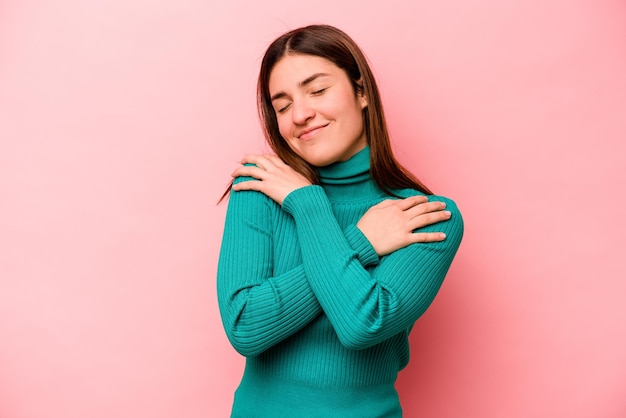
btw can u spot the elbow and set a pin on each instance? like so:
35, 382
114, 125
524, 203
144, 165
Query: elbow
354, 344
242, 338
367, 327
358, 337
244, 344
246, 350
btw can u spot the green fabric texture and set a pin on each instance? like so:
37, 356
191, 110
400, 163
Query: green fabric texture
322, 320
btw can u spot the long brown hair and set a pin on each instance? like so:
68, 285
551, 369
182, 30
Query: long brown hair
336, 46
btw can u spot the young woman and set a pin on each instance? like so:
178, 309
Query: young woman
331, 249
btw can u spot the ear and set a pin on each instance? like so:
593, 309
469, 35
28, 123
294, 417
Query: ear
360, 95
362, 100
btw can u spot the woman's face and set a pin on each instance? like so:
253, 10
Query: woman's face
318, 112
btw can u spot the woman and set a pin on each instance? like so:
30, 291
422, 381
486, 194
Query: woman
331, 249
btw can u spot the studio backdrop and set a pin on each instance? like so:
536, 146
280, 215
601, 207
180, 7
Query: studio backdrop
121, 121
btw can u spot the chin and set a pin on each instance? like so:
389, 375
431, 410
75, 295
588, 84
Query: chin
324, 157
315, 159
320, 161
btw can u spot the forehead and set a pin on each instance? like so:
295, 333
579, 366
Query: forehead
292, 69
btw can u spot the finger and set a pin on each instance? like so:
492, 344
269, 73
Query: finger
248, 185
249, 171
262, 161
410, 202
429, 218
426, 207
427, 237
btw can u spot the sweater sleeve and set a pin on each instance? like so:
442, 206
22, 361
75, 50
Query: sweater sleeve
258, 309
369, 305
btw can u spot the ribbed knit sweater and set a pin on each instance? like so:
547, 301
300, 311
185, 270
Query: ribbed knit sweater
323, 320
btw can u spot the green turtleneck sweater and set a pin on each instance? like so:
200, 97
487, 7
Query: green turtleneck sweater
322, 319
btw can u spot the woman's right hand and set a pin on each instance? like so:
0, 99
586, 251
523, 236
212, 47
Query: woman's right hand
389, 225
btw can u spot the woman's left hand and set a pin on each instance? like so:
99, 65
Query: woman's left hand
276, 179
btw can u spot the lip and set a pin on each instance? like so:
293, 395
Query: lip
310, 132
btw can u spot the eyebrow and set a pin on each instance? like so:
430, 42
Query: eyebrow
303, 83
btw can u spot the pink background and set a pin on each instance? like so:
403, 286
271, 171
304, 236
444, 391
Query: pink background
120, 122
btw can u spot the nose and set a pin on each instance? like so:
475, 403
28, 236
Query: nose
302, 112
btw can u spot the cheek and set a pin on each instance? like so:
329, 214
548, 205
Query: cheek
283, 127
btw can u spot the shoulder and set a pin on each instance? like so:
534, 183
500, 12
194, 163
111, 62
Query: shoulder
249, 202
451, 204
453, 227
241, 179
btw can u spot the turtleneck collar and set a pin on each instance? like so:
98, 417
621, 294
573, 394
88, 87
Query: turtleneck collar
349, 180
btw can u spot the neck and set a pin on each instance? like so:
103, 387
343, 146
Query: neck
349, 180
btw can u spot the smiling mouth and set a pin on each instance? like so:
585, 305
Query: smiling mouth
311, 133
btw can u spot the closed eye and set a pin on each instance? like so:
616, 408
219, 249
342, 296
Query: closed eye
284, 108
318, 92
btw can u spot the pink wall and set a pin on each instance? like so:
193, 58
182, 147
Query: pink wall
121, 121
